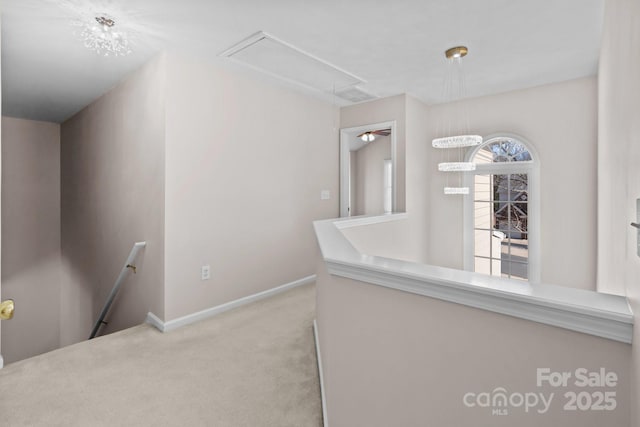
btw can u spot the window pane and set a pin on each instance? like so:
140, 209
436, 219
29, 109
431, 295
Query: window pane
502, 217
519, 184
482, 243
511, 221
506, 268
483, 215
484, 155
515, 255
505, 247
519, 220
517, 270
519, 250
483, 187
503, 150
496, 267
483, 265
501, 187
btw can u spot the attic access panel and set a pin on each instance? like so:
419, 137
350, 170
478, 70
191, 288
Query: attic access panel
280, 59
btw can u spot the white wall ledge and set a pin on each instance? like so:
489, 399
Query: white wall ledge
598, 314
357, 221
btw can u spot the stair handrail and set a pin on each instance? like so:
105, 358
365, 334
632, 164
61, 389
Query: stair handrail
128, 265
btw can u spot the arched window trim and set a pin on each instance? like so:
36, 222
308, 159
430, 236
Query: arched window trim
532, 168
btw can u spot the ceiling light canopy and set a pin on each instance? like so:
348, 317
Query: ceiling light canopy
100, 35
456, 52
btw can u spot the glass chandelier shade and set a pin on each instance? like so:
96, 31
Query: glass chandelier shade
101, 36
457, 141
456, 166
456, 190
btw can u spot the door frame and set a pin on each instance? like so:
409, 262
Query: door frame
346, 135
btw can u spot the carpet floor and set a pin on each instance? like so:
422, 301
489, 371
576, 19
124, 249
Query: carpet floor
252, 366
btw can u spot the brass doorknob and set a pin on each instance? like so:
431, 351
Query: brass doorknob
6, 309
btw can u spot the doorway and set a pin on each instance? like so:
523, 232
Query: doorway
368, 169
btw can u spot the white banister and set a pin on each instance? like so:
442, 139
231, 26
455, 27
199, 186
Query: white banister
128, 265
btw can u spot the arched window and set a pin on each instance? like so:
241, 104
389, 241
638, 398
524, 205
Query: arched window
502, 210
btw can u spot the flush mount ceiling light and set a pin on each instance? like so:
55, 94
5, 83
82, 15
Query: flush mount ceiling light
454, 129
101, 35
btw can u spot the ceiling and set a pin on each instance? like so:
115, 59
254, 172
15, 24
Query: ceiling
395, 46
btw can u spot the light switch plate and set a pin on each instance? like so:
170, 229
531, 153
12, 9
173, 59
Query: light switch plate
325, 195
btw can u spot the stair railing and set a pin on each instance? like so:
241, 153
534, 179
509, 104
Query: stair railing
128, 265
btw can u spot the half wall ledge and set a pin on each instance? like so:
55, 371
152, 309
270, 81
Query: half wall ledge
602, 315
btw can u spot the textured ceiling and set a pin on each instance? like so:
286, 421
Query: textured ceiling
396, 47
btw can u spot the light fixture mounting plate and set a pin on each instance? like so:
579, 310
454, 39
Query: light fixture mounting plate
456, 52
103, 20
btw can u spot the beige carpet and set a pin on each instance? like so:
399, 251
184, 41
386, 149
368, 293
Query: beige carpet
253, 366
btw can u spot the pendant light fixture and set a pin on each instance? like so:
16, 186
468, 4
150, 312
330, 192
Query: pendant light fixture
454, 130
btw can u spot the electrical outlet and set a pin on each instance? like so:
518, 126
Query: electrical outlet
205, 272
325, 195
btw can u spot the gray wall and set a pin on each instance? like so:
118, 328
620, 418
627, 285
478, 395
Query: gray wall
618, 158
411, 116
560, 122
378, 111
246, 163
112, 196
392, 358
31, 236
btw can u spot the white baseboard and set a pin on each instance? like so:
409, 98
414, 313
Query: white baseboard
155, 321
325, 421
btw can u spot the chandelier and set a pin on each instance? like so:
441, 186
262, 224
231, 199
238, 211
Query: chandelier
454, 130
101, 36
